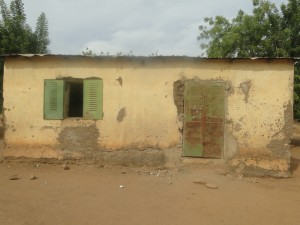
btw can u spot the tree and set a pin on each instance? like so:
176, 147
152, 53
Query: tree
15, 31
267, 32
291, 23
41, 32
260, 34
17, 37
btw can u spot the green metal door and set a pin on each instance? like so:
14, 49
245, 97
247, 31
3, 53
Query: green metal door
204, 111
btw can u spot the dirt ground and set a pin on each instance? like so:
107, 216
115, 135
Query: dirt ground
90, 194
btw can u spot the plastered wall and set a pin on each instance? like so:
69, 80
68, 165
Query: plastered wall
139, 108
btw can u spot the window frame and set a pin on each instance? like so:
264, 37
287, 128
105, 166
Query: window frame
56, 98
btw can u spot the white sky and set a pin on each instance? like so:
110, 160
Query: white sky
145, 27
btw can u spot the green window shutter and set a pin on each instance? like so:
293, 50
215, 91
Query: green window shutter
93, 99
54, 99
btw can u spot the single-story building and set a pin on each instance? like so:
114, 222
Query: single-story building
150, 110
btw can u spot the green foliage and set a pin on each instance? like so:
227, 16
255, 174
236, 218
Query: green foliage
291, 23
17, 37
41, 33
88, 52
297, 92
267, 32
260, 34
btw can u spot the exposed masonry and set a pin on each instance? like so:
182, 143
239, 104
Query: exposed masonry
178, 96
82, 139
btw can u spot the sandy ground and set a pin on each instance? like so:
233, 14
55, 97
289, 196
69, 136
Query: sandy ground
145, 196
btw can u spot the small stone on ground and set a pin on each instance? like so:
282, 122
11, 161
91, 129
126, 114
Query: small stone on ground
212, 186
66, 167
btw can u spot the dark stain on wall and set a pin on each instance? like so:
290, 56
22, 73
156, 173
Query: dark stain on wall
121, 114
120, 80
79, 139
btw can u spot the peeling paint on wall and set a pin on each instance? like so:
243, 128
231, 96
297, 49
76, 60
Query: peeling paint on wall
237, 127
280, 143
231, 147
245, 86
178, 95
229, 88
82, 139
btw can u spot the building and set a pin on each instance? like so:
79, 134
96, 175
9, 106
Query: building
150, 110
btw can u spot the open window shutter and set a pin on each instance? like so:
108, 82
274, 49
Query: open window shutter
93, 99
53, 99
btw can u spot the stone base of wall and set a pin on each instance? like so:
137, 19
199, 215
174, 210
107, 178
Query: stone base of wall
131, 157
260, 166
137, 158
157, 158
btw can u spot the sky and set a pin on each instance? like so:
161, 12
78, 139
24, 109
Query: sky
138, 27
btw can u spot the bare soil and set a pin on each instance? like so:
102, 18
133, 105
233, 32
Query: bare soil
91, 194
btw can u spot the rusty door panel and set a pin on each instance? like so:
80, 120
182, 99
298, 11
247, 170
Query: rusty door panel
213, 140
193, 124
204, 110
194, 135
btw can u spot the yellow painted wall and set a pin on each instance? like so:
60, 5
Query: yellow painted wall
147, 94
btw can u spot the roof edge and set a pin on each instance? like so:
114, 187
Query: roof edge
146, 57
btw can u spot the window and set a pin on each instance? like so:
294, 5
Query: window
73, 98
